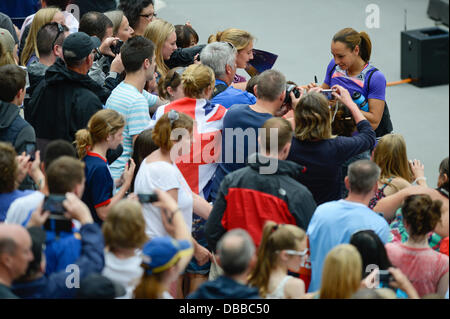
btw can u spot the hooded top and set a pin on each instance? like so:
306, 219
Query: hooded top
13, 128
63, 103
250, 196
224, 288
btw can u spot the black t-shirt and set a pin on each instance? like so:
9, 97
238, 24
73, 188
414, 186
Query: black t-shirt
6, 293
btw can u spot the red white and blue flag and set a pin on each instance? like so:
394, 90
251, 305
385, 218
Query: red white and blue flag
207, 134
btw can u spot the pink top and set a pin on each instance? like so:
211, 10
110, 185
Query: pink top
424, 267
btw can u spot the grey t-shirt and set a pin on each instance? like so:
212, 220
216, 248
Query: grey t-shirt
6, 23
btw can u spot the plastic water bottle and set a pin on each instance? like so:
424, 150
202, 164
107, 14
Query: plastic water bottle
361, 101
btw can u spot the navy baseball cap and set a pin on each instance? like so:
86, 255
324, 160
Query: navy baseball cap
161, 253
79, 45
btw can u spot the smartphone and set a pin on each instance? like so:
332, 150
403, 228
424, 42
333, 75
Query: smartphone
30, 149
385, 278
147, 198
53, 204
328, 94
56, 222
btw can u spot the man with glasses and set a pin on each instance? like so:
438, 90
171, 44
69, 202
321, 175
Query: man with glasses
250, 196
139, 13
65, 101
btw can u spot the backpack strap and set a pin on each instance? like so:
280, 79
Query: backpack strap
219, 89
370, 76
331, 71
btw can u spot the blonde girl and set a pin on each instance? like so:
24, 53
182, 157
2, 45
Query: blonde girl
283, 247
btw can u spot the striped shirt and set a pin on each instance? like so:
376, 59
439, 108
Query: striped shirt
134, 106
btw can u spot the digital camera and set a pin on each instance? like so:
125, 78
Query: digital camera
147, 198
116, 48
291, 88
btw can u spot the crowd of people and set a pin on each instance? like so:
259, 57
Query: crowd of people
136, 163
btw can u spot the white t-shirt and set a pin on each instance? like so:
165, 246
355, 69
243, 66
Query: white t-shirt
164, 176
20, 210
126, 272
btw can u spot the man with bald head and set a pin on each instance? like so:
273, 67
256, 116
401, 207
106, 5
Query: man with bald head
15, 255
236, 256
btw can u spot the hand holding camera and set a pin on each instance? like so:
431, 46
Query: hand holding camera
108, 45
76, 209
400, 281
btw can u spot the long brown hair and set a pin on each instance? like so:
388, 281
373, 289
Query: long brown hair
150, 286
351, 38
312, 118
101, 125
275, 238
391, 156
341, 275
161, 134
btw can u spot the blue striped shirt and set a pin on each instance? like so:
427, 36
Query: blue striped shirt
134, 106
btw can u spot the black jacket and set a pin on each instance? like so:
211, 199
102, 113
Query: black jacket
183, 56
249, 197
13, 128
224, 288
63, 103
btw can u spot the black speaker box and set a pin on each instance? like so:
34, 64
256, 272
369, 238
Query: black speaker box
424, 56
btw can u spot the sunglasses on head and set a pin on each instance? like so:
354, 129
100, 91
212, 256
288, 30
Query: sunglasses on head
60, 30
296, 253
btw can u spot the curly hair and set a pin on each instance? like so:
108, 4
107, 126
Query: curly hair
421, 213
132, 9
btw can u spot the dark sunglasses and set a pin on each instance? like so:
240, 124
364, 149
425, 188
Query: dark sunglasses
60, 30
177, 71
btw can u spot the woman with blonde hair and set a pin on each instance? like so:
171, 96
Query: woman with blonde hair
124, 233
121, 26
243, 42
29, 53
397, 172
167, 54
282, 248
315, 147
104, 131
162, 34
341, 274
7, 52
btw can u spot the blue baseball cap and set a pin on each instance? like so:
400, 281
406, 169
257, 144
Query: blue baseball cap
161, 253
79, 45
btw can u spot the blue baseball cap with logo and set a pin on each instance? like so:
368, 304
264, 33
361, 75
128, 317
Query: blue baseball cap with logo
161, 253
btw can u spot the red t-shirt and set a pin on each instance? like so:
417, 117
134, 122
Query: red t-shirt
424, 267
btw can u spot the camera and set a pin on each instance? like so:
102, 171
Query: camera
116, 48
385, 278
147, 198
30, 149
291, 88
328, 93
53, 204
56, 222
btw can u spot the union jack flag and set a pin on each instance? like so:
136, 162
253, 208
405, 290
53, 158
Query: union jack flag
199, 167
